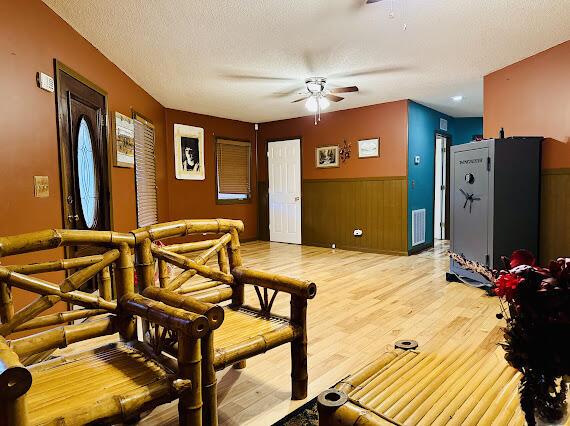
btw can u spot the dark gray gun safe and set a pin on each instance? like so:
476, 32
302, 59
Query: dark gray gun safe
494, 201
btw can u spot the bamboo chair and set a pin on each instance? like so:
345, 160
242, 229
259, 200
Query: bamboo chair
243, 331
106, 383
462, 386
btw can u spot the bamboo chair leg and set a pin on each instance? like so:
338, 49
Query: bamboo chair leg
13, 412
209, 382
299, 373
189, 365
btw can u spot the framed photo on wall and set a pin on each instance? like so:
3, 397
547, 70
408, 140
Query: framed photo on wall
189, 152
327, 156
368, 148
124, 141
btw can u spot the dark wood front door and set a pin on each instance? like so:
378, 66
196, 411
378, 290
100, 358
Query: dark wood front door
82, 131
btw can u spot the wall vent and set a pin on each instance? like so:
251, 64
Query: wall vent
418, 226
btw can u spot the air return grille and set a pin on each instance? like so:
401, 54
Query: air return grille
418, 226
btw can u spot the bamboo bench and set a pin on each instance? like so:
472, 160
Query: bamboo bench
244, 331
106, 383
464, 386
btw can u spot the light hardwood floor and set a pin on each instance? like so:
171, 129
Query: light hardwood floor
365, 302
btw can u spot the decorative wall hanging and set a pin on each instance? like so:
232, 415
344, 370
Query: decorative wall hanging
124, 141
189, 152
369, 148
345, 151
327, 156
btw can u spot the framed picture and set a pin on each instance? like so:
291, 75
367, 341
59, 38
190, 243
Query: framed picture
327, 156
189, 152
368, 148
124, 141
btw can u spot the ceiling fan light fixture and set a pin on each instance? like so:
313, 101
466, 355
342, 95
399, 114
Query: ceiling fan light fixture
312, 104
324, 103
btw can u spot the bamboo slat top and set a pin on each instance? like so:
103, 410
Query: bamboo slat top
463, 386
242, 324
63, 386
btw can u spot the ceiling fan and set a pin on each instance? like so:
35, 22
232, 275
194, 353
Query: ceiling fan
318, 97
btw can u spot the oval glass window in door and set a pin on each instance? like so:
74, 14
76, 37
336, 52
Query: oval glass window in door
86, 173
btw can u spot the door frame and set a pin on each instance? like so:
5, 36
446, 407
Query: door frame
59, 66
448, 143
267, 142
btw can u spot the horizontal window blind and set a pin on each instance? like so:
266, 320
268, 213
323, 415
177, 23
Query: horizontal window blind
145, 173
233, 166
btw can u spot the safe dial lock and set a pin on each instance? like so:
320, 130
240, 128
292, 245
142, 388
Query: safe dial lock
469, 178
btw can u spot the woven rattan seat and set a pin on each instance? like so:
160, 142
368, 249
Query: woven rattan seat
465, 386
112, 372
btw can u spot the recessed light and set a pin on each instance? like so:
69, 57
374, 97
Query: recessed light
457, 98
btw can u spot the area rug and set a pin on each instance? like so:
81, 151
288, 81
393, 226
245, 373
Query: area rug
305, 415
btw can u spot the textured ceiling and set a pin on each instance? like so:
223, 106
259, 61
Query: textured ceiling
197, 55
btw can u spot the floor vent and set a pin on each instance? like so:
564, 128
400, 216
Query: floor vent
418, 226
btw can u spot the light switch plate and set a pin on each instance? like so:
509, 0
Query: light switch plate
41, 186
417, 160
45, 82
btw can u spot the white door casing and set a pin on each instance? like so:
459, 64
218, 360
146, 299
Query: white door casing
284, 166
440, 189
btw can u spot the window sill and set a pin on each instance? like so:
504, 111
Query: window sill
233, 201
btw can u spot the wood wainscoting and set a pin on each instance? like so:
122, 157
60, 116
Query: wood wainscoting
554, 214
333, 209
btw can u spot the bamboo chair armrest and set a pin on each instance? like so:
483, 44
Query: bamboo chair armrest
293, 286
189, 323
15, 379
214, 313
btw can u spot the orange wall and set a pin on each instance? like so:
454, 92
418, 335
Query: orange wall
388, 121
190, 199
532, 98
31, 36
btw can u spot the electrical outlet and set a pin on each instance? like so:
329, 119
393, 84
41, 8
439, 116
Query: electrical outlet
358, 232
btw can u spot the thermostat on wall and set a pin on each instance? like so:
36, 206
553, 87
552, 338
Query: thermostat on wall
45, 82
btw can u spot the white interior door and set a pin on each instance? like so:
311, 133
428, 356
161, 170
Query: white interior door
284, 164
440, 189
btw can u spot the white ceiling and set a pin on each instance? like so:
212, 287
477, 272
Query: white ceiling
194, 55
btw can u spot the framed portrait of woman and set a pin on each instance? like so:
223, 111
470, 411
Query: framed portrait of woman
189, 152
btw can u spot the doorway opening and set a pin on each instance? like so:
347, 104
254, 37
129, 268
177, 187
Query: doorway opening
441, 185
284, 167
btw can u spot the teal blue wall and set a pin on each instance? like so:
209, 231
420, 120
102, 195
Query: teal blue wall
423, 123
465, 128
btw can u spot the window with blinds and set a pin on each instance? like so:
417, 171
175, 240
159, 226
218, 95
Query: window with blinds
233, 160
145, 172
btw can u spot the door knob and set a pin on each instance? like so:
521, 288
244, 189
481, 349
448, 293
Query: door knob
72, 217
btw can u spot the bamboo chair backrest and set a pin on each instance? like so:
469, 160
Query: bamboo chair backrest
79, 271
150, 247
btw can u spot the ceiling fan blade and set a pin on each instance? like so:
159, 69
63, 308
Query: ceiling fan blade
334, 98
256, 77
344, 89
301, 99
297, 89
371, 71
